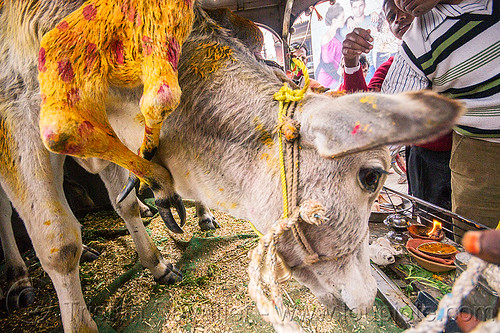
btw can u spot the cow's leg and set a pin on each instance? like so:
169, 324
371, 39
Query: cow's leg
151, 258
20, 292
76, 132
161, 96
206, 220
36, 192
145, 209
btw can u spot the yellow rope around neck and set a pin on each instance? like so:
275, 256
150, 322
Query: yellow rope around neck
286, 96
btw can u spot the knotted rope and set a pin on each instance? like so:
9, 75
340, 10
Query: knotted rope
290, 130
450, 304
265, 256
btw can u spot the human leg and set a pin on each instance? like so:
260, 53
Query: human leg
475, 181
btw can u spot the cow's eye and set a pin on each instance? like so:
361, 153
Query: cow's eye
370, 178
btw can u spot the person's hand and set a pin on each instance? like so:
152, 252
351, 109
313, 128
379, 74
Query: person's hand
374, 17
355, 43
484, 244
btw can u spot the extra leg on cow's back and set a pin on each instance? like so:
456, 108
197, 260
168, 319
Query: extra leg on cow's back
89, 51
161, 96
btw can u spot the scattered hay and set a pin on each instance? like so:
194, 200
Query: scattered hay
212, 297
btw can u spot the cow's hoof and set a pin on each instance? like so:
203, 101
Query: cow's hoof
172, 275
164, 206
208, 224
21, 298
88, 254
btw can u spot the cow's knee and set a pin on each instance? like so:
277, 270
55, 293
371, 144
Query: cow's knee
160, 97
64, 258
60, 250
66, 137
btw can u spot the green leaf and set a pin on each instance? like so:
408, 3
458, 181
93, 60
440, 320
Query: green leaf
407, 311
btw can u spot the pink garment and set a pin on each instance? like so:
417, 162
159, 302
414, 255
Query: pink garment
331, 54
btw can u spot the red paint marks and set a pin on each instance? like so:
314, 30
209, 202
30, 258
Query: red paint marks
356, 129
138, 20
131, 14
128, 11
89, 12
44, 98
173, 52
147, 45
85, 128
73, 96
189, 2
91, 55
41, 60
65, 70
72, 150
164, 94
148, 130
118, 49
63, 25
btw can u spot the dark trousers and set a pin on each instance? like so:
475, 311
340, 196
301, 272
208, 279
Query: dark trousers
429, 176
429, 179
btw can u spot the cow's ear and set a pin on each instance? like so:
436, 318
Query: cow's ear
357, 122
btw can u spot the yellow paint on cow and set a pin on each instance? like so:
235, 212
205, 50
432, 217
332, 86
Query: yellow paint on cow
210, 57
221, 204
335, 93
111, 42
139, 119
264, 134
234, 205
221, 189
7, 144
47, 223
54, 249
372, 100
272, 161
8, 156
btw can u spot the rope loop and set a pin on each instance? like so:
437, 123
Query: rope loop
287, 94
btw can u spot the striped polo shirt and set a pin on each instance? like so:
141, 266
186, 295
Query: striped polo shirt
455, 50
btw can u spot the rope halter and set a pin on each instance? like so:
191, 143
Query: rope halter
266, 264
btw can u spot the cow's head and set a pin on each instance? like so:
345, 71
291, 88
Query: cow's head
343, 165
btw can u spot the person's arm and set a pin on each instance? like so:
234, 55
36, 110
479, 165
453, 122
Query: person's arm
356, 42
379, 76
402, 77
354, 81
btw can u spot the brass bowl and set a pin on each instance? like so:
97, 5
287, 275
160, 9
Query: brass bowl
438, 249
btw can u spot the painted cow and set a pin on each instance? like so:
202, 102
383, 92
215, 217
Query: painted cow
221, 148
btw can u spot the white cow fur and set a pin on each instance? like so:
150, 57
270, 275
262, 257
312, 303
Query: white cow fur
213, 141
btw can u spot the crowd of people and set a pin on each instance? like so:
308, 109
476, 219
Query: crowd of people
329, 69
453, 48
